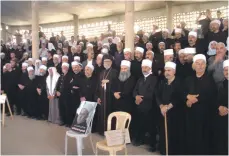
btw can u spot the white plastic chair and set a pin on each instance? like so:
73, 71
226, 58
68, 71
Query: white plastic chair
79, 138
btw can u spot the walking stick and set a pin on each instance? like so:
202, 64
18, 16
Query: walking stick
104, 106
166, 134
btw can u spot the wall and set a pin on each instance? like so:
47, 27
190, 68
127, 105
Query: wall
138, 15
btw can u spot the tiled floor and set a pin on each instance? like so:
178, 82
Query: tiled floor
23, 136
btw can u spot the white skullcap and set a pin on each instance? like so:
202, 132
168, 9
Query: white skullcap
125, 63
81, 43
106, 44
127, 50
109, 38
137, 36
64, 57
24, 64
216, 21
100, 56
30, 59
2, 54
26, 53
43, 67
170, 65
147, 63
140, 49
158, 30
181, 51
190, 50
178, 30
65, 64
192, 33
225, 63
44, 59
151, 52
74, 63
166, 30
199, 57
55, 55
89, 65
168, 52
161, 43
149, 43
104, 51
76, 58
29, 69
90, 45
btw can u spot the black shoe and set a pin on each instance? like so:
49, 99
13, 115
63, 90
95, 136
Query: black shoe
153, 149
137, 143
61, 124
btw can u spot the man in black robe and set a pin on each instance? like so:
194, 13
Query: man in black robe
180, 38
150, 56
64, 94
170, 101
75, 83
144, 96
201, 95
104, 95
199, 44
176, 48
221, 123
188, 57
113, 47
165, 38
99, 65
56, 63
136, 63
21, 94
180, 65
50, 59
43, 102
31, 94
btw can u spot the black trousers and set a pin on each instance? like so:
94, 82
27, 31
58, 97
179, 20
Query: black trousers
65, 110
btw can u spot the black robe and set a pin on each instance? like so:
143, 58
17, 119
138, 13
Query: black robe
166, 94
221, 122
184, 70
31, 97
136, 69
218, 37
199, 117
98, 70
43, 102
106, 101
58, 68
126, 101
142, 113
201, 46
64, 87
183, 41
50, 63
168, 42
113, 49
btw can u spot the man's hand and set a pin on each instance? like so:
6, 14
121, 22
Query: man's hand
192, 98
58, 94
99, 101
50, 97
39, 91
82, 99
21, 86
2, 91
117, 95
75, 87
138, 99
189, 103
164, 109
223, 110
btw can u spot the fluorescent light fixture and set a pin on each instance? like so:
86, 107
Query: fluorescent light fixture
7, 27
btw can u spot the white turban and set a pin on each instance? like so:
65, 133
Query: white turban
76, 58
44, 59
89, 65
37, 61
66, 57
55, 55
43, 67
190, 50
30, 59
90, 45
125, 63
225, 63
170, 65
178, 30
81, 43
199, 57
216, 21
181, 51
140, 49
65, 64
29, 69
192, 33
168, 52
166, 30
104, 51
147, 63
100, 56
126, 50
161, 43
24, 64
74, 63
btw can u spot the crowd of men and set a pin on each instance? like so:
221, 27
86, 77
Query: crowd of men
184, 78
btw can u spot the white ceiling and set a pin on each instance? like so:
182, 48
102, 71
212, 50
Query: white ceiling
19, 12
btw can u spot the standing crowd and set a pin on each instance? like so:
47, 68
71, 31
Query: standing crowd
183, 77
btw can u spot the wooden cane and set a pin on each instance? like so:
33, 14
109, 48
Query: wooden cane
166, 134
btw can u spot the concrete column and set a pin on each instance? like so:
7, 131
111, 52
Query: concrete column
76, 25
129, 26
35, 30
169, 15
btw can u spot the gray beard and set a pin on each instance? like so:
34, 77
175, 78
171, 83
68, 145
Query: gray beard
31, 77
76, 72
123, 76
